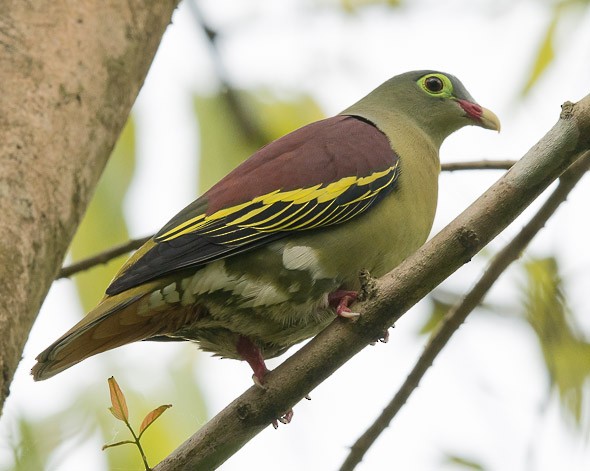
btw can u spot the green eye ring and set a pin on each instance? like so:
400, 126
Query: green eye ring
436, 85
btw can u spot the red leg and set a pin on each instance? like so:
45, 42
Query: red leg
340, 300
251, 353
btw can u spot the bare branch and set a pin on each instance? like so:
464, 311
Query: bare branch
458, 313
241, 112
397, 292
478, 165
102, 257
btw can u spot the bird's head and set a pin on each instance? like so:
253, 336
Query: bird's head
437, 102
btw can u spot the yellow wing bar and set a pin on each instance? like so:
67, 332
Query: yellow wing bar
299, 209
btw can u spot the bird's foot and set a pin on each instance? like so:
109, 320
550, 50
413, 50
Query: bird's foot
252, 354
340, 300
383, 338
284, 419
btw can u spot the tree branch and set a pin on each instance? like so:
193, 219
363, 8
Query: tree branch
458, 313
478, 165
240, 110
396, 292
102, 257
70, 72
114, 252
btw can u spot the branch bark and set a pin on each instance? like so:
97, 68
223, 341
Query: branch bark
396, 292
478, 165
102, 257
459, 312
70, 72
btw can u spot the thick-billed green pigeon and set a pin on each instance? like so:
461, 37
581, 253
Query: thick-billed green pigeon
271, 254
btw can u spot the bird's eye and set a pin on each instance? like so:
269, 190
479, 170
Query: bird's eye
434, 84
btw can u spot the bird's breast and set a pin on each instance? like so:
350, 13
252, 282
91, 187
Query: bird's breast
383, 237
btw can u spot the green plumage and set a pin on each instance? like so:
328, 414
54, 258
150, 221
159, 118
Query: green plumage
271, 254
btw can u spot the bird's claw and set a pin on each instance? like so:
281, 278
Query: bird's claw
340, 300
258, 382
284, 419
347, 314
383, 338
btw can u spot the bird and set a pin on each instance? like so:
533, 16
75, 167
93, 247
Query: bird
271, 254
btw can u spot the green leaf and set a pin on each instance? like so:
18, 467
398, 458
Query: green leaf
37, 443
464, 463
30, 453
223, 143
437, 313
442, 301
228, 137
564, 349
281, 116
351, 6
545, 53
103, 225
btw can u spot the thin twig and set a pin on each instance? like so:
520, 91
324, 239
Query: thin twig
478, 165
458, 313
244, 118
101, 258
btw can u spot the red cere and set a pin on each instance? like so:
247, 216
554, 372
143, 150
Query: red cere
473, 110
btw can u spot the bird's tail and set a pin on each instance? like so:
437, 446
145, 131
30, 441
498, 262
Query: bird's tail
118, 320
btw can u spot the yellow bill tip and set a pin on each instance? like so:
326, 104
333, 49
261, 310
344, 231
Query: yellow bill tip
489, 120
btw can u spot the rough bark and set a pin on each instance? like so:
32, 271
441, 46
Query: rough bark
69, 72
393, 295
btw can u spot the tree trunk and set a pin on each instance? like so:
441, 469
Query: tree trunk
69, 73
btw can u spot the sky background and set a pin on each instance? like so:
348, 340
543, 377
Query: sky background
486, 397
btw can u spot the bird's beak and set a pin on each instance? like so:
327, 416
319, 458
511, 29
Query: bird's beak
480, 115
489, 120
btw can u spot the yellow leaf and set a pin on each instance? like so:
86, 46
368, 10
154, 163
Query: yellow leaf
119, 409
152, 416
545, 54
